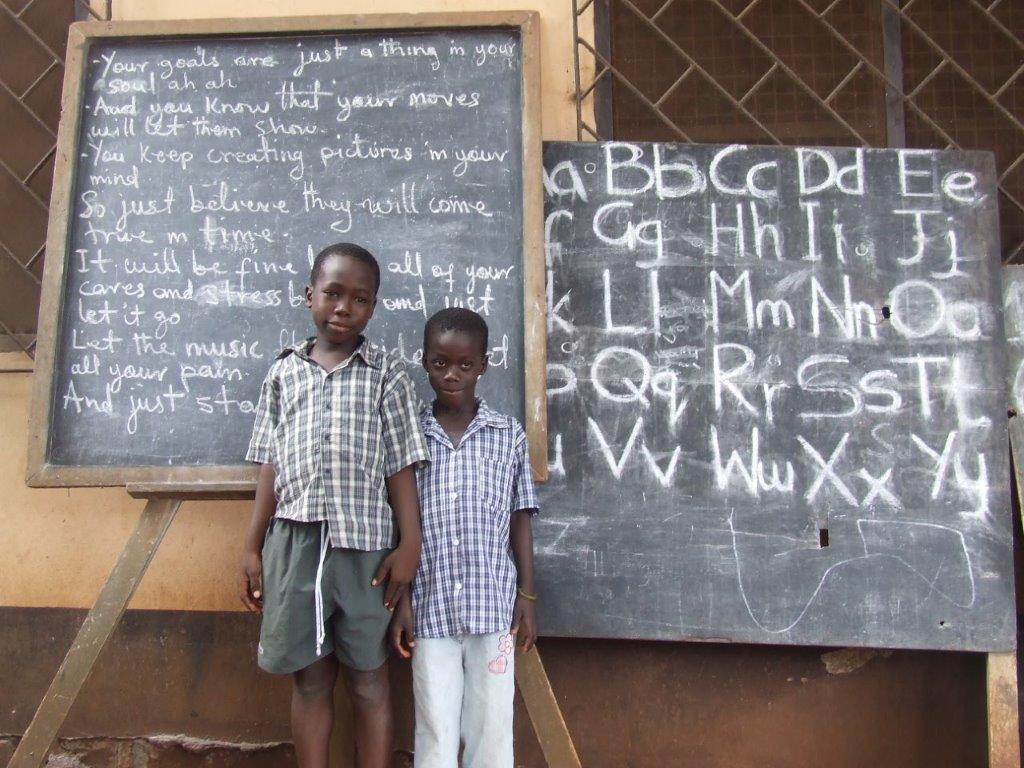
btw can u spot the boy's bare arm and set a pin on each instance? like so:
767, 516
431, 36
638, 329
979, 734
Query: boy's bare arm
400, 566
250, 588
524, 620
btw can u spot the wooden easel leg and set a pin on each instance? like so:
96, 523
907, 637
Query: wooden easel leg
94, 633
552, 734
1003, 734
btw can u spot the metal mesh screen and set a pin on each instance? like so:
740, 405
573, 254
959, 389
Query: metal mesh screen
945, 74
33, 35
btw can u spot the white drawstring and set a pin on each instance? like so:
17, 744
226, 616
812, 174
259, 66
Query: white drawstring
325, 544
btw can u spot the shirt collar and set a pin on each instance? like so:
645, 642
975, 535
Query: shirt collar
485, 417
369, 352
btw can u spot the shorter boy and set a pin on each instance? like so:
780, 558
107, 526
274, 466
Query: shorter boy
474, 588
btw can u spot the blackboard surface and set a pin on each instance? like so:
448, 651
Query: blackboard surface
1013, 304
776, 387
211, 170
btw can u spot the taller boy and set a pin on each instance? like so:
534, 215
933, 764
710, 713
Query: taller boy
338, 435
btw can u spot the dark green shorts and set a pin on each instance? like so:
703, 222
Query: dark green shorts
355, 619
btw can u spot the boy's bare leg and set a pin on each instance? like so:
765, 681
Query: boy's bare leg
313, 711
371, 708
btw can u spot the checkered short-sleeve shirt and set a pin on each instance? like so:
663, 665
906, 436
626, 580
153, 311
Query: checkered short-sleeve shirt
466, 583
334, 436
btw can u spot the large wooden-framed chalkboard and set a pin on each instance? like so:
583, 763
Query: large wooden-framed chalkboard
777, 396
202, 164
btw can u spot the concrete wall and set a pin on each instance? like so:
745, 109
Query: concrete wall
182, 662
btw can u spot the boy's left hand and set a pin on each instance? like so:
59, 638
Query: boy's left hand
398, 568
524, 623
403, 639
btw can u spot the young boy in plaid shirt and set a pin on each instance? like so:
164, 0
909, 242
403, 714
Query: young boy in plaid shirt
473, 593
337, 435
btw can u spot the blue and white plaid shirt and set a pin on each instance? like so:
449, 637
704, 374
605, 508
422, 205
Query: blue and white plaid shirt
466, 583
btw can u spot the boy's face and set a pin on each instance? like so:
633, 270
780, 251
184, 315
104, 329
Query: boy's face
342, 299
454, 361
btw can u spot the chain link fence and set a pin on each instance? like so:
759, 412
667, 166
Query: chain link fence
942, 74
33, 35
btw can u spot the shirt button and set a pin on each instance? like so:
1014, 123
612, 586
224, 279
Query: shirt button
454, 496
458, 585
455, 542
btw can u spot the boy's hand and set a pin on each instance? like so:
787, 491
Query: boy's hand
250, 587
402, 629
398, 568
524, 623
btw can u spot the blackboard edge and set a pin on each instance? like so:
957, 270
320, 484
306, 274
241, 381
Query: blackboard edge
279, 25
187, 479
56, 257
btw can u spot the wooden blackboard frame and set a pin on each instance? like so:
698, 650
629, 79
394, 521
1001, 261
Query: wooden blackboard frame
41, 473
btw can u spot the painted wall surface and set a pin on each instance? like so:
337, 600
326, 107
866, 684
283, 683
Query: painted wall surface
64, 542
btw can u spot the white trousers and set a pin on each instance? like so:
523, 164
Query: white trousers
464, 689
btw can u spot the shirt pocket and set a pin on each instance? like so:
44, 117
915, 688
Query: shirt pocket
356, 440
495, 484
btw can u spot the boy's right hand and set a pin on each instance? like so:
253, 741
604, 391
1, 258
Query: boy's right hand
250, 587
402, 638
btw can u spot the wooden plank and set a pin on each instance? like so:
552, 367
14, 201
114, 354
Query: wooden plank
94, 633
892, 51
288, 24
1003, 724
56, 250
46, 475
552, 733
1003, 715
217, 490
535, 334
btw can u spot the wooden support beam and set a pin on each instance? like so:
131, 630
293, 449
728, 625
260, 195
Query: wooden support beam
1003, 733
94, 633
194, 489
892, 52
552, 733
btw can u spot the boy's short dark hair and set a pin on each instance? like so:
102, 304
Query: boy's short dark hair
456, 319
357, 252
